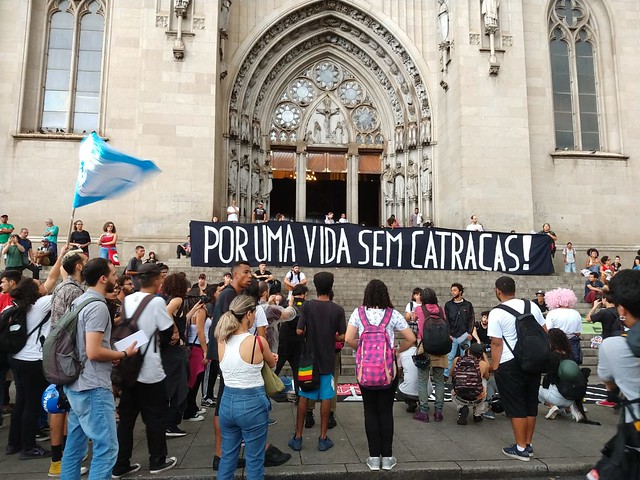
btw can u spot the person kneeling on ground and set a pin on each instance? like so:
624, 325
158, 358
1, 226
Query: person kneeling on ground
470, 375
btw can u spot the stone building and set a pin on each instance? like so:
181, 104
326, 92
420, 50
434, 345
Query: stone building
518, 112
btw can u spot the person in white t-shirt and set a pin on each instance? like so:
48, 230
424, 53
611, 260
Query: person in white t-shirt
149, 395
518, 389
474, 226
233, 212
409, 310
293, 278
561, 303
30, 298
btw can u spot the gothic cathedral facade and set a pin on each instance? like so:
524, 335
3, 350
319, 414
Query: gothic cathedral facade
519, 112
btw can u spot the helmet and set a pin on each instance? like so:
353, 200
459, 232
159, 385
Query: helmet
496, 405
51, 401
569, 371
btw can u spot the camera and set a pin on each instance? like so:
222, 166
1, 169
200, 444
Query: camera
204, 299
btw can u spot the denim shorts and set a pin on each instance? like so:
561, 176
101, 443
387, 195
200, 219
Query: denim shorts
326, 390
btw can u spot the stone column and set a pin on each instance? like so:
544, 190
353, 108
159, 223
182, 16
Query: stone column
301, 185
353, 160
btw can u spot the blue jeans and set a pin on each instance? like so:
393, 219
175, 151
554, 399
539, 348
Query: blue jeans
457, 343
423, 392
570, 267
92, 416
104, 252
244, 414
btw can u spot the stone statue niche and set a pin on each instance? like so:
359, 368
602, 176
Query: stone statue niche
327, 124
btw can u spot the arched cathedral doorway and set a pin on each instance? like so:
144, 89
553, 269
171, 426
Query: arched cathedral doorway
329, 112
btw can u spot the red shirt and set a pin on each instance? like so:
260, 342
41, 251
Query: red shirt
5, 301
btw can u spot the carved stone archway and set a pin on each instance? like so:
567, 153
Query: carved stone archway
330, 73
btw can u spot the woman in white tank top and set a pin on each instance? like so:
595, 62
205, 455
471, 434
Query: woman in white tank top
244, 407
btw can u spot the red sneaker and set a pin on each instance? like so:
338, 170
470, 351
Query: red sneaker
606, 403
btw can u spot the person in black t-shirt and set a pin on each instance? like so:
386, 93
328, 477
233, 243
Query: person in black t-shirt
540, 302
80, 238
607, 316
322, 323
259, 214
480, 332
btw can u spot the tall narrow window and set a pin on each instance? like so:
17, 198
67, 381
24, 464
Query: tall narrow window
71, 100
573, 75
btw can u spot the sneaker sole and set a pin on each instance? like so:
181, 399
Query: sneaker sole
175, 435
516, 456
174, 462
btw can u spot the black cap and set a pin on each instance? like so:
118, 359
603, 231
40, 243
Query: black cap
149, 270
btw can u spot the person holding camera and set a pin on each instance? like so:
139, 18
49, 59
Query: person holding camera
12, 252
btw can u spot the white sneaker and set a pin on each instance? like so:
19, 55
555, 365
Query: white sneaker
552, 413
197, 418
202, 411
388, 463
575, 413
84, 470
373, 463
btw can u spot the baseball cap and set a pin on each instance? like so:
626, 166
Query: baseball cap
540, 292
149, 270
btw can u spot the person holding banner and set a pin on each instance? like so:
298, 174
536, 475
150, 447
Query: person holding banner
107, 243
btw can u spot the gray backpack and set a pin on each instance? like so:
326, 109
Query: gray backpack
60, 359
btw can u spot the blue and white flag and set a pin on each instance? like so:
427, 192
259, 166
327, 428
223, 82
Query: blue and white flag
105, 172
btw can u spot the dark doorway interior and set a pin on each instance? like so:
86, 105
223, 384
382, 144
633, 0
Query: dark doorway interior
327, 193
369, 199
283, 198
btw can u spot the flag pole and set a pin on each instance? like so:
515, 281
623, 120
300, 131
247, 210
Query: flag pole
73, 212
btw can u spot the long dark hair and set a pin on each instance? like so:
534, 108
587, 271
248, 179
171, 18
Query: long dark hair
558, 341
25, 294
429, 296
376, 295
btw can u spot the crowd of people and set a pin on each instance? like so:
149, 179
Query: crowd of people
228, 332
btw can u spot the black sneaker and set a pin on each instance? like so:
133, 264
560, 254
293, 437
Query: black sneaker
43, 435
123, 471
241, 462
309, 421
35, 452
168, 464
462, 415
477, 418
175, 432
332, 421
412, 407
274, 457
10, 450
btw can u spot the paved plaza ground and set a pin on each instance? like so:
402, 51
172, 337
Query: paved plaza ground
444, 450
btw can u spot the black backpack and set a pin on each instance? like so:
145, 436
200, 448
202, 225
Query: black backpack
574, 390
128, 369
532, 350
13, 329
436, 338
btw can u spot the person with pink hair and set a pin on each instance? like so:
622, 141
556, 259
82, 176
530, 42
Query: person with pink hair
562, 315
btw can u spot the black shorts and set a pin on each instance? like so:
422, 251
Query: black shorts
518, 390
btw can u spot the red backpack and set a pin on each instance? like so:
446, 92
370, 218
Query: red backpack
375, 356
